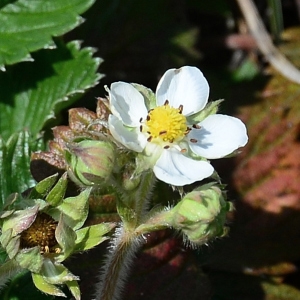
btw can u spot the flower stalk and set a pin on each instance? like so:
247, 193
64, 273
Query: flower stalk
123, 249
132, 208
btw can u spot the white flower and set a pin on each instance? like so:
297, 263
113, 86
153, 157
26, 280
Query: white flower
177, 151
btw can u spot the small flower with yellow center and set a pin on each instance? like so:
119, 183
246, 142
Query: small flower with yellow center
177, 148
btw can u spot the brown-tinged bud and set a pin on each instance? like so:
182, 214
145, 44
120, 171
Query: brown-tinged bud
90, 162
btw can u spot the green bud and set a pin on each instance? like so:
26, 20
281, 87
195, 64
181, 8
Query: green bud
130, 180
90, 162
201, 215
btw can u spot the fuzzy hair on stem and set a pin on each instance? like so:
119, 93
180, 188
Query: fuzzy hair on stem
122, 251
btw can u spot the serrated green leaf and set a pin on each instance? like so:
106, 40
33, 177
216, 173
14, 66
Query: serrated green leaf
31, 92
14, 164
28, 25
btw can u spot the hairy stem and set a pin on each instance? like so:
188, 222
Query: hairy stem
132, 209
123, 249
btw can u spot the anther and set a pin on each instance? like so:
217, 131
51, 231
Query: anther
188, 129
148, 118
149, 139
141, 128
162, 132
141, 119
196, 126
193, 141
183, 150
166, 102
180, 108
166, 147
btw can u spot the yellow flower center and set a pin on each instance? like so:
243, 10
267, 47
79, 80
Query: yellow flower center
166, 123
41, 233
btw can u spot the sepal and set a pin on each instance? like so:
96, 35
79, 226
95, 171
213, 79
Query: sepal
91, 236
211, 108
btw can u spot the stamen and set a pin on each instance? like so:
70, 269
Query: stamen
193, 141
188, 129
180, 108
40, 233
183, 150
166, 147
149, 139
166, 123
141, 119
141, 128
196, 126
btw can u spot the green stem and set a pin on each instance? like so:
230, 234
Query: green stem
132, 209
123, 250
159, 221
142, 196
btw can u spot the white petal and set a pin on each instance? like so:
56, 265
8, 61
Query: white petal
174, 168
185, 86
218, 136
127, 103
129, 137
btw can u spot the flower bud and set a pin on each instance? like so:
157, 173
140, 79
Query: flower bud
90, 162
201, 215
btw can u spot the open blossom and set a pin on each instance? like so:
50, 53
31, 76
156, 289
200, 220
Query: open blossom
177, 149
